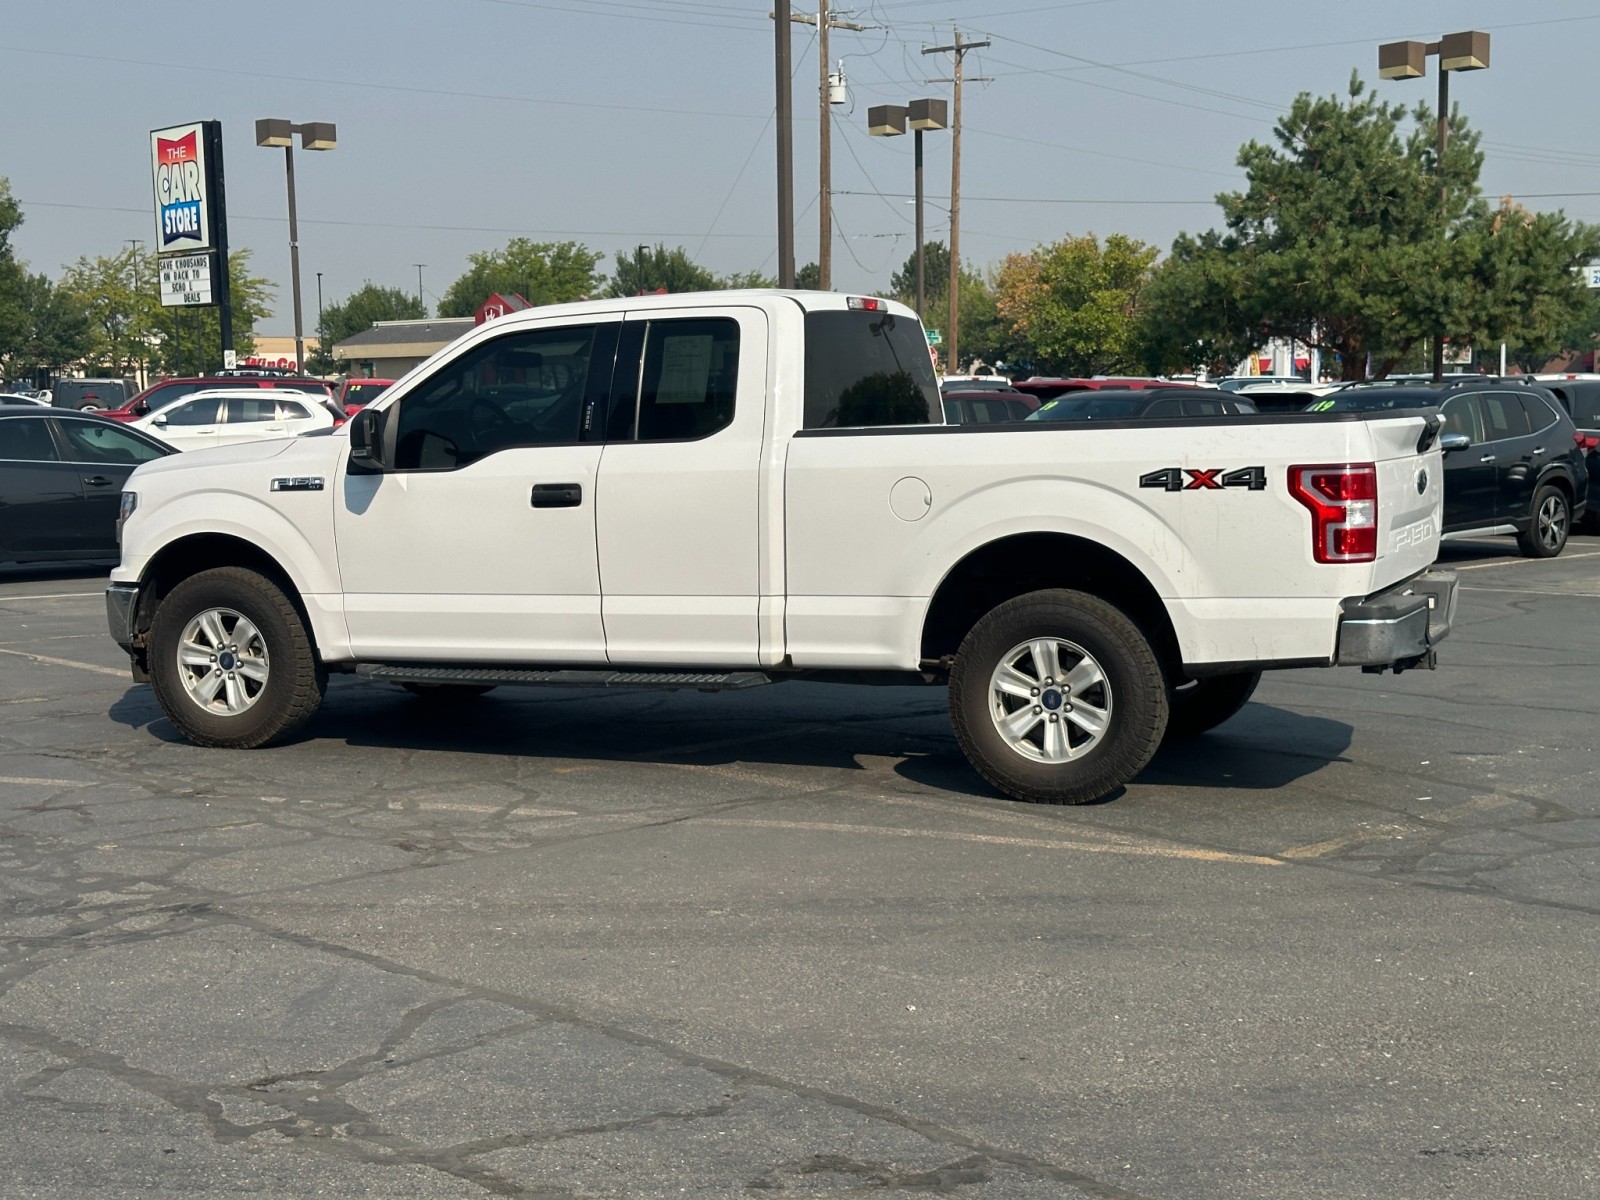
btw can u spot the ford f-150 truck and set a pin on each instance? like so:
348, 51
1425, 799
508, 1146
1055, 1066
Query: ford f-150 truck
720, 490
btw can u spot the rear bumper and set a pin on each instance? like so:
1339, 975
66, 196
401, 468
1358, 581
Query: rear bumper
1398, 628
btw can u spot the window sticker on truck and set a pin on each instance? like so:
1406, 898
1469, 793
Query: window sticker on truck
1171, 479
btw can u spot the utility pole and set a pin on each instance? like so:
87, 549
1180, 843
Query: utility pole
785, 122
420, 300
959, 49
825, 159
825, 22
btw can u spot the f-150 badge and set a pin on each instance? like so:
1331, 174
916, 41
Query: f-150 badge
1195, 479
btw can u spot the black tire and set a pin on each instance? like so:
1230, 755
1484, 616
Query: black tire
446, 693
1549, 524
1131, 694
1203, 704
279, 647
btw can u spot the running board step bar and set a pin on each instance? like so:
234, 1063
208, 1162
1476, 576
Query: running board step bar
477, 676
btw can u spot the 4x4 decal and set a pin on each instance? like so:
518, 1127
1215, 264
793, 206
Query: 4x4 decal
1172, 479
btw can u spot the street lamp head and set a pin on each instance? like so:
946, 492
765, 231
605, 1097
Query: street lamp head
886, 120
1468, 51
928, 114
1402, 60
272, 132
317, 135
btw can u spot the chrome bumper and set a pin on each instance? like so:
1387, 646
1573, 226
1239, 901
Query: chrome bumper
1400, 627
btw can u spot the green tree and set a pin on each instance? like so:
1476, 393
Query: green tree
13, 306
540, 272
357, 313
193, 342
809, 277
747, 279
54, 331
119, 292
1352, 238
129, 327
645, 270
1072, 304
984, 336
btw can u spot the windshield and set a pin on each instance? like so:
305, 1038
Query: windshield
1368, 400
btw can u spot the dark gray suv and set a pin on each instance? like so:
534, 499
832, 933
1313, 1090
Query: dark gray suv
1513, 460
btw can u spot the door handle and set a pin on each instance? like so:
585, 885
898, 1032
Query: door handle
98, 481
1538, 450
1487, 458
557, 495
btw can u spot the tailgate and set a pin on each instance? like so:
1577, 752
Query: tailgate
1410, 496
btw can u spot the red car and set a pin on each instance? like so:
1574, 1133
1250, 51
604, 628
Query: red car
168, 390
357, 393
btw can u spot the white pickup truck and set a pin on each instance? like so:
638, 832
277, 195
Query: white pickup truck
720, 490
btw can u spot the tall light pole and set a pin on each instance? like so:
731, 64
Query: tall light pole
314, 135
1468, 51
420, 300
891, 120
319, 303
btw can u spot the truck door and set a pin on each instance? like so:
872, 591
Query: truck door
680, 508
477, 542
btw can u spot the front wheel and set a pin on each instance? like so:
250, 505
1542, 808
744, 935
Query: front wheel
1203, 704
231, 661
1552, 521
1057, 697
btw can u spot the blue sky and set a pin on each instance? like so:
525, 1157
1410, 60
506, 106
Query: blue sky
614, 122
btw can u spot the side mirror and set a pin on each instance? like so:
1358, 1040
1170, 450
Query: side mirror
366, 440
160, 422
1454, 441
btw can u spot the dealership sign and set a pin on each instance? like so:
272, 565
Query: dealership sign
186, 280
183, 214
186, 164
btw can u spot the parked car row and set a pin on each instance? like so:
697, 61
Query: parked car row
62, 470
61, 478
1522, 455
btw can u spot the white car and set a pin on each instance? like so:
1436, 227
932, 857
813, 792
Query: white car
230, 416
20, 398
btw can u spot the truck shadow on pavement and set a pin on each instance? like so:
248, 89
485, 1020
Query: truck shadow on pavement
881, 737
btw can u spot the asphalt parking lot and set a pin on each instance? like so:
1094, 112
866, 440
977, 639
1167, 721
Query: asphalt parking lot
600, 945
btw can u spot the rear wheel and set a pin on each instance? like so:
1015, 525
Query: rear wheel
1551, 523
1203, 704
1057, 697
231, 660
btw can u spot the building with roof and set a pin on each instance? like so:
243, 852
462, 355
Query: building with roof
391, 348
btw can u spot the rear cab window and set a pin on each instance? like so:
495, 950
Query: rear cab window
867, 369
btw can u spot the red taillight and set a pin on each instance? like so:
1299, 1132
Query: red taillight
864, 303
1343, 499
1586, 441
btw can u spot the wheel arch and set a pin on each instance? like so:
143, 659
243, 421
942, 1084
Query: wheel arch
187, 556
1028, 562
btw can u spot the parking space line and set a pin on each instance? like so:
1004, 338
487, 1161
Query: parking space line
1523, 562
67, 662
1378, 833
1533, 592
991, 839
46, 782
